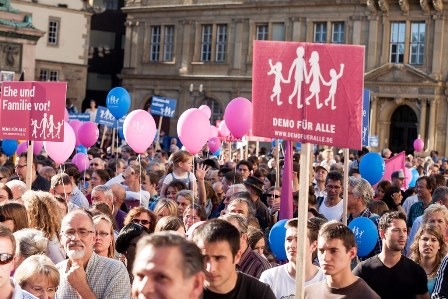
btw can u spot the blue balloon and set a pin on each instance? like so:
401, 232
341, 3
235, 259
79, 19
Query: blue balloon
217, 153
366, 234
277, 240
371, 167
118, 102
9, 146
81, 149
415, 176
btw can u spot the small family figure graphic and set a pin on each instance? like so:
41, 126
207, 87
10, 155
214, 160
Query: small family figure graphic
302, 74
46, 123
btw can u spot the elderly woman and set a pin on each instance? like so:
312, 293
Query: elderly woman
104, 236
29, 241
38, 276
43, 214
142, 216
184, 198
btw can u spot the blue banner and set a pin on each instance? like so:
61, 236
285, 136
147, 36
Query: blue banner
79, 116
163, 106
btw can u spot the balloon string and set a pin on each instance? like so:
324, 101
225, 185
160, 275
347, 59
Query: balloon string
62, 180
140, 180
116, 155
194, 195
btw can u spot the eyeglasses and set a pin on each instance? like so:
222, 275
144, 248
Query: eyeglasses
220, 194
82, 233
86, 179
273, 195
94, 164
102, 234
5, 258
333, 187
243, 169
20, 166
141, 221
40, 290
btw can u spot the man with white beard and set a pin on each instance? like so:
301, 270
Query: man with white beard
86, 274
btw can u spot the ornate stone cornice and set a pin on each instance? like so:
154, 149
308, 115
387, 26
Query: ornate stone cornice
438, 5
425, 6
384, 6
371, 6
404, 6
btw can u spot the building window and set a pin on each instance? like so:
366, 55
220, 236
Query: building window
320, 32
214, 43
168, 45
158, 39
221, 43
155, 43
278, 31
48, 75
53, 32
262, 32
338, 34
397, 42
417, 47
206, 43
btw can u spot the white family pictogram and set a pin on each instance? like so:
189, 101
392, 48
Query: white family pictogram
48, 129
313, 77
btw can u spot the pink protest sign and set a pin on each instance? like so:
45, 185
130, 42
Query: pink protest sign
33, 110
308, 92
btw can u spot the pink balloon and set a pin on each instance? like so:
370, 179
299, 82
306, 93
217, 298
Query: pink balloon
193, 129
66, 118
21, 148
139, 129
61, 151
81, 161
419, 145
206, 110
88, 134
76, 124
37, 147
238, 116
223, 130
214, 144
214, 132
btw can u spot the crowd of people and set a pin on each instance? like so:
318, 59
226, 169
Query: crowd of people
174, 225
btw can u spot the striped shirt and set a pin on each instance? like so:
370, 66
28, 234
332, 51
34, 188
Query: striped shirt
252, 263
107, 278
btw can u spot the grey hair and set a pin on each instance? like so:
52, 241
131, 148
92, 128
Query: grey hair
105, 189
30, 241
362, 188
439, 194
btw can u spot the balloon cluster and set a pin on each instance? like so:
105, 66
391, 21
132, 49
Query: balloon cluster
194, 129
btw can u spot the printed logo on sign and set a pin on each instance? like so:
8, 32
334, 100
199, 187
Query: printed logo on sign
308, 92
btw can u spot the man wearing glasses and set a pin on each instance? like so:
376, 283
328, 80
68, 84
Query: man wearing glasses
9, 288
38, 182
85, 274
333, 206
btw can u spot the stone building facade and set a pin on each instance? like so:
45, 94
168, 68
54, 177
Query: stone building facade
200, 52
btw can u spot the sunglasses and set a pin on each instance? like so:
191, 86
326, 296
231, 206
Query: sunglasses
273, 195
5, 258
94, 164
142, 221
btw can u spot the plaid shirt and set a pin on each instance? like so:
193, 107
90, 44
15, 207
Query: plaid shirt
107, 278
416, 210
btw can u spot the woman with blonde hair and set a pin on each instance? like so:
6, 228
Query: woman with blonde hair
165, 207
39, 276
170, 223
43, 214
104, 236
428, 250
